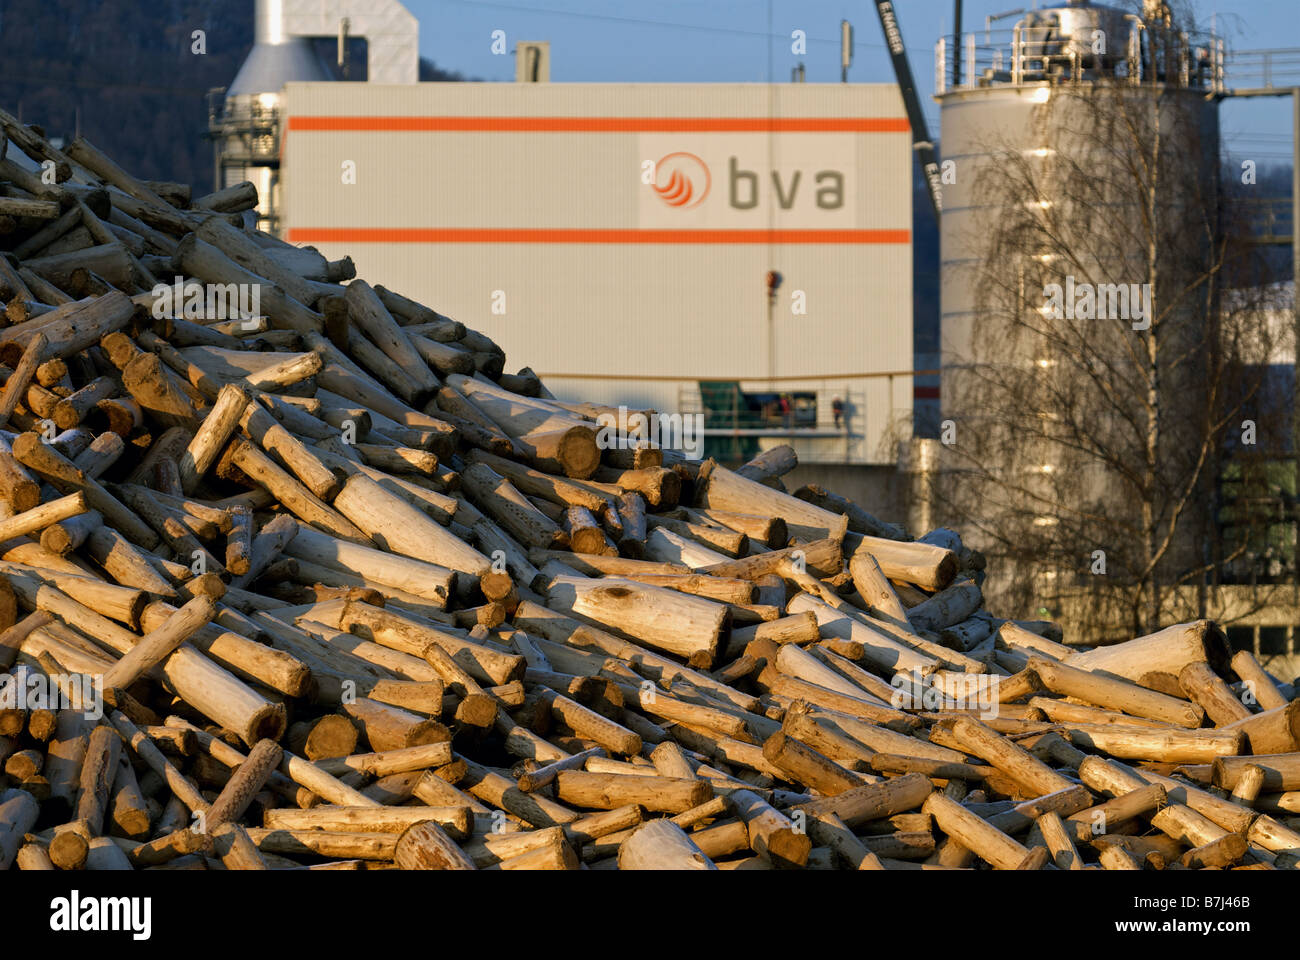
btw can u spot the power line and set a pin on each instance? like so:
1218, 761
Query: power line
640, 21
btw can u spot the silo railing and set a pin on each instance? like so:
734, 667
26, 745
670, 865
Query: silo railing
1265, 69
1033, 54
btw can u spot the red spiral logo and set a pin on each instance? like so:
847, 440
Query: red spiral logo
682, 180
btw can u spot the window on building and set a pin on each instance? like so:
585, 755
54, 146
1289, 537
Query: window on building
1273, 641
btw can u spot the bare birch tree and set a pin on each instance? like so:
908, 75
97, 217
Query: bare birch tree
1108, 365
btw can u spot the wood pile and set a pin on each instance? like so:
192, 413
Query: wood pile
357, 598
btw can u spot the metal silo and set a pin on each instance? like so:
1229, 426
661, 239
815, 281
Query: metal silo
1031, 102
1003, 98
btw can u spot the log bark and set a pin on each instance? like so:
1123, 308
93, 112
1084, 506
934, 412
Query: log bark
1258, 682
772, 835
721, 489
1106, 691
690, 627
401, 528
18, 813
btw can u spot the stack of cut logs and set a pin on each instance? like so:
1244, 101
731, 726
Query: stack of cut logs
357, 598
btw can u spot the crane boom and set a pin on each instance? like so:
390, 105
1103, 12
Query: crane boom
921, 142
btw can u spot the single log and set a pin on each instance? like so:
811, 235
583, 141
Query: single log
386, 727
1204, 687
1106, 691
42, 516
16, 385
951, 605
332, 735
69, 849
661, 845
124, 562
587, 723
236, 848
248, 778
585, 533
158, 644
552, 852
1281, 770
570, 451
1032, 774
721, 489
601, 791
1261, 685
805, 765
18, 813
401, 528
859, 520
688, 626
1273, 731
97, 775
979, 836
1148, 743
32, 856
426, 846
1059, 841
239, 540
1216, 854
16, 484
129, 810
772, 835
1249, 783
876, 591
76, 325
1166, 651
873, 801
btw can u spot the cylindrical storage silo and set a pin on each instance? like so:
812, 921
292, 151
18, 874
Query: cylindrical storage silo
1081, 164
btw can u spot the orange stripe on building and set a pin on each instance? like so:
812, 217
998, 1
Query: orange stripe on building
604, 124
585, 235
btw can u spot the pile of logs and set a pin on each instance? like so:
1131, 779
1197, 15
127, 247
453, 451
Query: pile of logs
354, 597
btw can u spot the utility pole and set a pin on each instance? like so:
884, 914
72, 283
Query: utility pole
956, 44
846, 49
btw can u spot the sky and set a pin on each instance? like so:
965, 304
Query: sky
715, 41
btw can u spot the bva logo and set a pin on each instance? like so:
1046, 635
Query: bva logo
682, 180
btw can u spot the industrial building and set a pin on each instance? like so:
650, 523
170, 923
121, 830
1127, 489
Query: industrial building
738, 251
